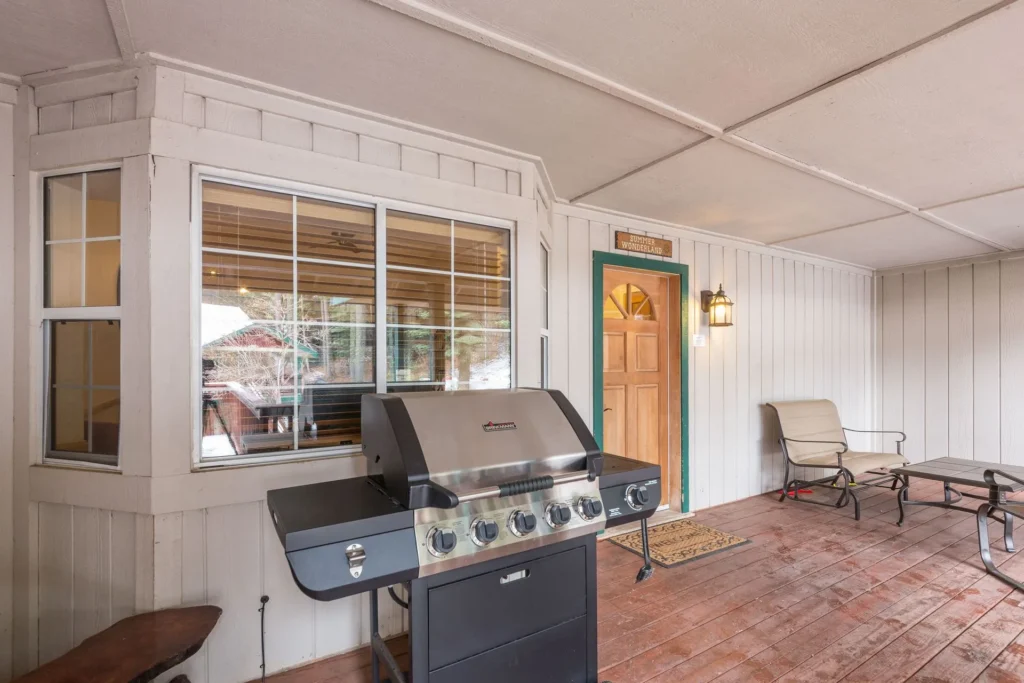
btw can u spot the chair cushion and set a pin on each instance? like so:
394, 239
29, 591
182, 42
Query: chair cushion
857, 462
816, 420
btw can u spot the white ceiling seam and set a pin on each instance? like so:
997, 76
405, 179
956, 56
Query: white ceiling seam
640, 169
528, 53
122, 29
871, 65
895, 202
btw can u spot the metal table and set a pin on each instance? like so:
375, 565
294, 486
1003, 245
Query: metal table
998, 479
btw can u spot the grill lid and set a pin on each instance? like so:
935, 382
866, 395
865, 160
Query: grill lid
431, 446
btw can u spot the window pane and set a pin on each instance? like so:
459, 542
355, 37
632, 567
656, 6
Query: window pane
544, 259
246, 219
337, 294
544, 370
63, 220
102, 272
419, 355
330, 416
482, 303
336, 355
335, 231
84, 393
483, 359
106, 421
64, 275
482, 250
418, 298
241, 289
106, 353
69, 354
418, 241
69, 426
249, 392
103, 204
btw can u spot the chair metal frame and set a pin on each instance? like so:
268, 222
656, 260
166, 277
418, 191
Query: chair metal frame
846, 494
997, 502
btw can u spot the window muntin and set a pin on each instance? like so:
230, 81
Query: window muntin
82, 334
290, 331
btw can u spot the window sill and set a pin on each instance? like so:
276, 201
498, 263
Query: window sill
210, 487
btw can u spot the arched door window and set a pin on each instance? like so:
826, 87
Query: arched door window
629, 302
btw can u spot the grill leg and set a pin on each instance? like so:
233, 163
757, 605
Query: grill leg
646, 571
374, 659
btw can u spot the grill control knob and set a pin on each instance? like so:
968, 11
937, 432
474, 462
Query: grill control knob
440, 541
485, 532
637, 497
521, 523
558, 514
588, 508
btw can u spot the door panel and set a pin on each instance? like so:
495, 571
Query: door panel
647, 352
648, 422
614, 352
615, 419
636, 377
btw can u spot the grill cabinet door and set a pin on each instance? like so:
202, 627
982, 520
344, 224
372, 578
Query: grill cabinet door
484, 612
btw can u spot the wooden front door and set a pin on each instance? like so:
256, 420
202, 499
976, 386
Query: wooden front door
636, 367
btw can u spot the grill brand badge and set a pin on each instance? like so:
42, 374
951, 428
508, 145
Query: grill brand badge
499, 426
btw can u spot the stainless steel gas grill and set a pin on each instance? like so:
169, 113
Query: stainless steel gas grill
486, 504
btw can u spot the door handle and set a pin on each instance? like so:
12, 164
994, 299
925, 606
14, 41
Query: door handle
607, 410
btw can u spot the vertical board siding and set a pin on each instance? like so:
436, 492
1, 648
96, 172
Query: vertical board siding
801, 330
86, 574
949, 344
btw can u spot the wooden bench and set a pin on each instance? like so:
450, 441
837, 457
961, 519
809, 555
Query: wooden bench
133, 650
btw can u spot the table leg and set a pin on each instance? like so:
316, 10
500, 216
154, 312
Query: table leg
945, 491
1008, 532
901, 497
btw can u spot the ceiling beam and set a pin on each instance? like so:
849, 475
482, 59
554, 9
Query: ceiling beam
122, 29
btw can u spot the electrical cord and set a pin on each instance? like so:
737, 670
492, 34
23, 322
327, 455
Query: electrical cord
399, 601
263, 640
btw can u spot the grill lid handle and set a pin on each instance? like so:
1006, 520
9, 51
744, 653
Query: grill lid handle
514, 488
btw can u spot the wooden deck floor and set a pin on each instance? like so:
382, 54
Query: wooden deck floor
814, 597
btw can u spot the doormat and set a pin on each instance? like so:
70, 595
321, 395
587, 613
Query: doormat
680, 542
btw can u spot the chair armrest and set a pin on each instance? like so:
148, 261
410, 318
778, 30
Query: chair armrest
990, 477
878, 431
834, 443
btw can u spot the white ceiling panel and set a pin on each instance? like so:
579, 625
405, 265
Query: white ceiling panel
39, 36
940, 123
716, 186
361, 54
721, 61
998, 217
889, 242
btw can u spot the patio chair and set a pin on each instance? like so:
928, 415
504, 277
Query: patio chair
813, 436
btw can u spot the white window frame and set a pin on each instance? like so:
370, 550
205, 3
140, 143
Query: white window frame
71, 314
545, 334
381, 205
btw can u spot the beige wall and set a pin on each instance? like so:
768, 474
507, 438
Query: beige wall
951, 354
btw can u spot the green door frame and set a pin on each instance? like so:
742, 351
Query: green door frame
602, 259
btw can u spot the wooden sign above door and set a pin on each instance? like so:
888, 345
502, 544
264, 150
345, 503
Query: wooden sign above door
628, 241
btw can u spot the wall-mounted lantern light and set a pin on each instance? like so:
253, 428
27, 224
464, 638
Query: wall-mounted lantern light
718, 307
